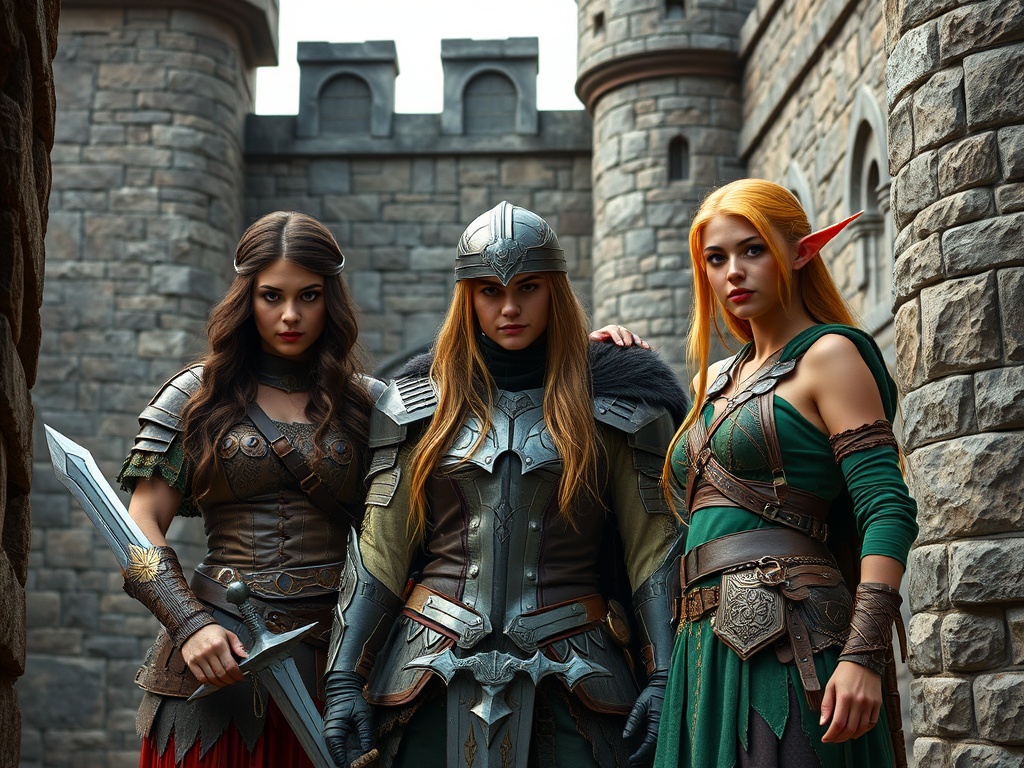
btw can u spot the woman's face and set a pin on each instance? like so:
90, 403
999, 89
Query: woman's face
289, 308
740, 267
514, 315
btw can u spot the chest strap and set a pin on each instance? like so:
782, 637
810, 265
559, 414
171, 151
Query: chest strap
748, 548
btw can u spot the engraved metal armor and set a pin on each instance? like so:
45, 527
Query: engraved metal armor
505, 241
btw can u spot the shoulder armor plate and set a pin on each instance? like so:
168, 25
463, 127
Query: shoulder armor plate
160, 421
629, 416
402, 403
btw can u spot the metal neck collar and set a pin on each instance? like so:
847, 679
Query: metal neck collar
281, 373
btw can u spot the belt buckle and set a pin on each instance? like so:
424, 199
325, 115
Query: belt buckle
770, 571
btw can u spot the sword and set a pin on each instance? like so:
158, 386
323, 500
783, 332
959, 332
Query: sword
268, 660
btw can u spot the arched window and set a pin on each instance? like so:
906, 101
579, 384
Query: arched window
867, 189
675, 9
345, 104
678, 159
489, 104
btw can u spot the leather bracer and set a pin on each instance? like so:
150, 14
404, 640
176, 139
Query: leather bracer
654, 603
362, 620
876, 608
154, 578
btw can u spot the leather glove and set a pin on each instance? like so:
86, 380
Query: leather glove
644, 718
347, 718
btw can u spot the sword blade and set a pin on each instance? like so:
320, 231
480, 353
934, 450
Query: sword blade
284, 683
77, 471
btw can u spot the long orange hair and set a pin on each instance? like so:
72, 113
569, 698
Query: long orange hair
465, 389
781, 221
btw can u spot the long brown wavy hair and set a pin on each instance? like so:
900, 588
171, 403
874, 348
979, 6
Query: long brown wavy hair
465, 388
337, 397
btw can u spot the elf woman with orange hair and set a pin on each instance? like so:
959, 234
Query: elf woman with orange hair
514, 493
793, 498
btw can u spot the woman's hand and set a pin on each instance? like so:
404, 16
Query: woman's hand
620, 335
853, 701
210, 654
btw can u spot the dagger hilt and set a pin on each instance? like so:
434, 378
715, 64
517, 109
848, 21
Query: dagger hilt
238, 594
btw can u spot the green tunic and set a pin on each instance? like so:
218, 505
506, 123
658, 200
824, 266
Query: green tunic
711, 692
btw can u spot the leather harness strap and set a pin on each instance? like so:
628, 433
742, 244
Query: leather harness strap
293, 461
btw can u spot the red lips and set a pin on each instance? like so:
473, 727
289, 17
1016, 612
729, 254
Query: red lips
290, 335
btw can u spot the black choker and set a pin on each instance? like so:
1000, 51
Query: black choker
283, 374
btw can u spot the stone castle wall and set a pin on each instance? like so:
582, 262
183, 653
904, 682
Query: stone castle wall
956, 133
145, 208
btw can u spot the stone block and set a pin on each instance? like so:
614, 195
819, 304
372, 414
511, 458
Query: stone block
928, 578
930, 752
941, 706
973, 642
1011, 152
953, 211
915, 187
1015, 625
924, 638
987, 570
979, 25
910, 372
69, 548
914, 57
1010, 197
987, 755
971, 306
940, 112
989, 77
969, 486
918, 266
182, 280
997, 398
937, 411
1011, 299
162, 344
971, 162
437, 259
999, 707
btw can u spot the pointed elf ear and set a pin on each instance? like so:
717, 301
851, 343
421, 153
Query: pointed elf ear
810, 245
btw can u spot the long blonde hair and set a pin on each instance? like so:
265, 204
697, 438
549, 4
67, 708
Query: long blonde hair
465, 389
780, 220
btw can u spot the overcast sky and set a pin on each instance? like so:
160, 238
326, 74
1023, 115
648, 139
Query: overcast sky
417, 27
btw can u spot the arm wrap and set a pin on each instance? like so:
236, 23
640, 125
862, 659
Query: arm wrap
876, 608
155, 579
861, 438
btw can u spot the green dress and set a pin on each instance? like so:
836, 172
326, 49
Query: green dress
711, 693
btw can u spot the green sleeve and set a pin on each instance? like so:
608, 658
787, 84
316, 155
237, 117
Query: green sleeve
886, 513
171, 466
387, 541
646, 524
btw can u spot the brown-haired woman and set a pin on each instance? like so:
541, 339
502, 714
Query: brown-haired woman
513, 492
280, 362
789, 471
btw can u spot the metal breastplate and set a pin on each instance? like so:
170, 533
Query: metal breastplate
507, 483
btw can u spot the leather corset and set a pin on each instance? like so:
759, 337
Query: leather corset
499, 543
256, 515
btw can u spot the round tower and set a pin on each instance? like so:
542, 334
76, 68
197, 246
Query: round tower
145, 209
661, 79
956, 155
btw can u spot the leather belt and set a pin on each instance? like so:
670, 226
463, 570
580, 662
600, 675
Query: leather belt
531, 630
285, 582
449, 617
747, 548
697, 603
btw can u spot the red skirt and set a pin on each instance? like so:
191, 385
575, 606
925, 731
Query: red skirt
276, 747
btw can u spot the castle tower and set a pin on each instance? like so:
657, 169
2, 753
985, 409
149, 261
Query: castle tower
662, 81
145, 209
956, 155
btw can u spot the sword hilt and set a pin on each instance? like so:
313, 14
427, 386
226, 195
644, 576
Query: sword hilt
238, 594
